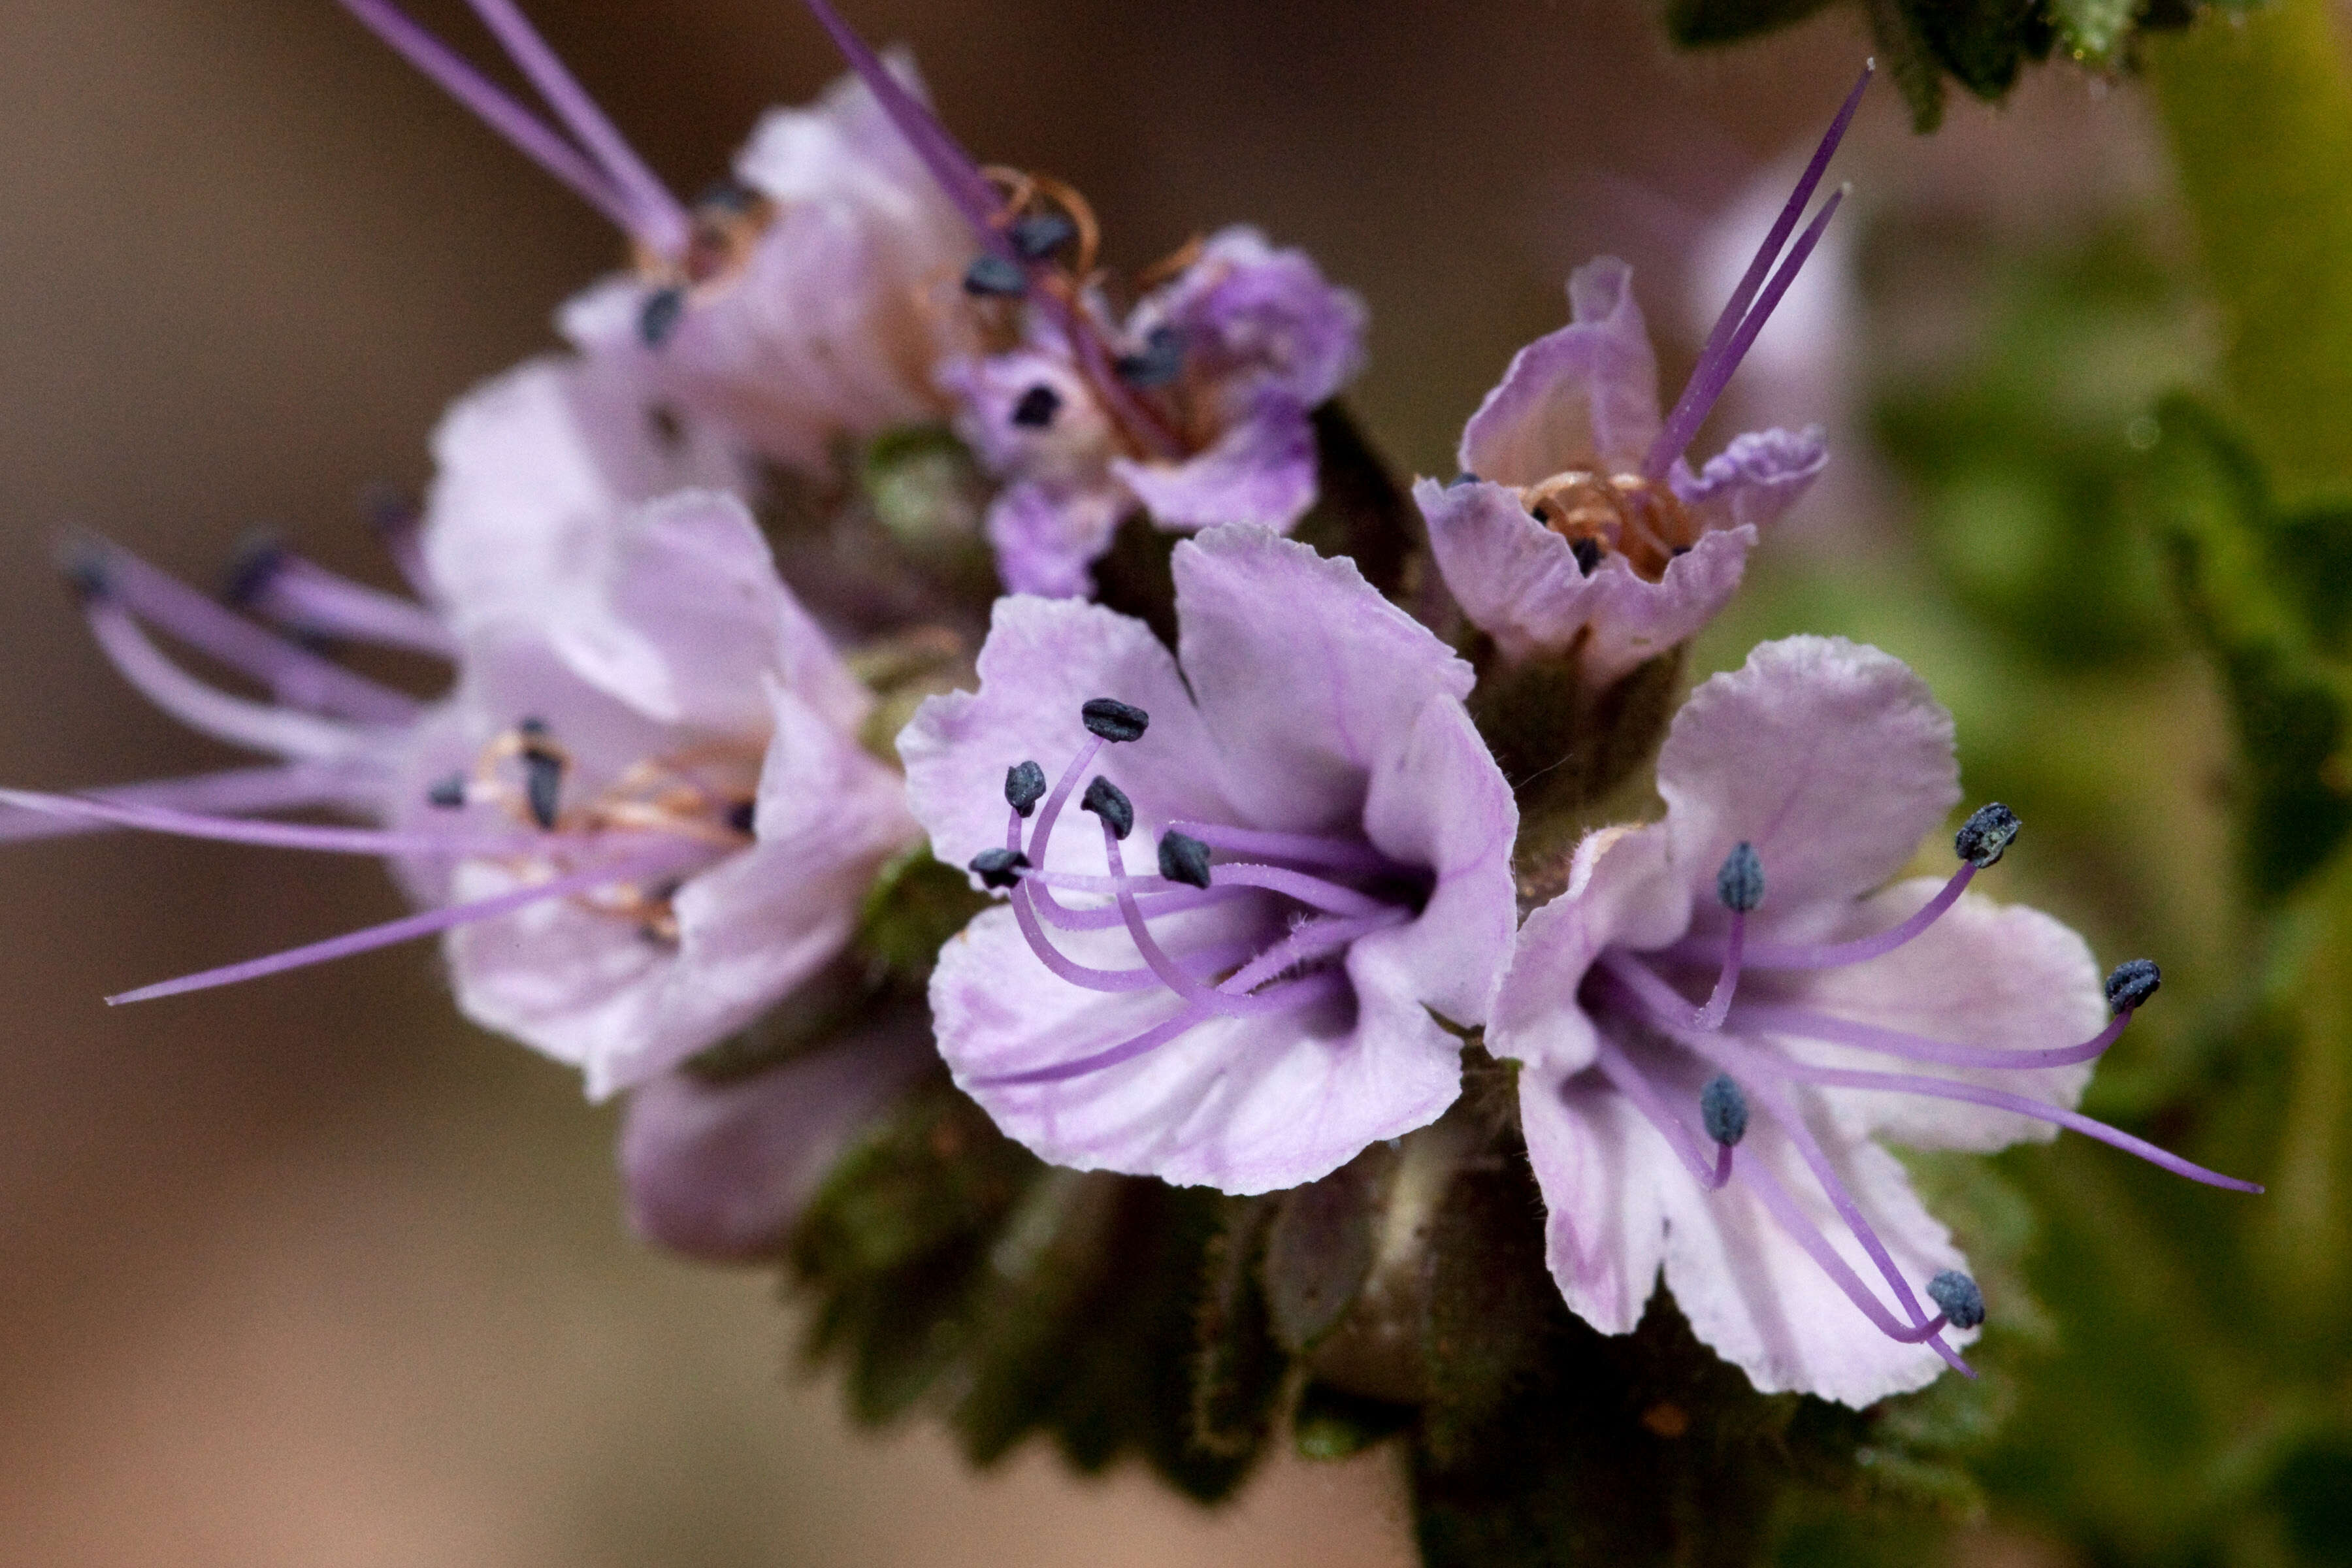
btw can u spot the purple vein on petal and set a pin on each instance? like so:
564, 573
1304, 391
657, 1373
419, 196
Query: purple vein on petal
400, 931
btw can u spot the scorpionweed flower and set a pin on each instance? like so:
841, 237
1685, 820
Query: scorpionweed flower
809, 298
1333, 872
642, 815
1575, 523
1732, 1141
1195, 408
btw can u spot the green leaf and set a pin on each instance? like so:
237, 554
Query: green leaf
915, 906
1982, 43
1318, 1251
1238, 1370
1331, 1423
2093, 31
2258, 113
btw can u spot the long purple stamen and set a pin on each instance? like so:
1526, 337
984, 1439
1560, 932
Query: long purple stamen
660, 220
274, 835
1776, 1018
257, 726
294, 675
1725, 344
1229, 999
234, 792
1836, 955
524, 129
1635, 1086
1306, 847
405, 930
1718, 1002
307, 597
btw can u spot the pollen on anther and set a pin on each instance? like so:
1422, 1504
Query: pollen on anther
1723, 1111
1740, 883
658, 317
1159, 362
1986, 835
2132, 983
1025, 786
448, 793
1107, 801
1114, 720
995, 277
1038, 406
1183, 859
1037, 236
999, 868
1959, 1296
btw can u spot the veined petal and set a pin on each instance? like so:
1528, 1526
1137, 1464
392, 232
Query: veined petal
1261, 471
1585, 396
1756, 479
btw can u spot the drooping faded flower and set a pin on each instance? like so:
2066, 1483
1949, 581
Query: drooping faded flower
811, 298
642, 815
1332, 873
1193, 408
1727, 1011
1575, 524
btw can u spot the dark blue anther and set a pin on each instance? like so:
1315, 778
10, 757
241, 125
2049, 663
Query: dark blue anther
531, 729
1957, 1294
658, 317
728, 196
1183, 859
999, 868
1740, 883
84, 570
1107, 801
1114, 720
251, 569
449, 793
1038, 234
741, 815
1038, 407
1986, 834
1025, 786
995, 277
1587, 552
1157, 363
543, 785
2131, 985
1464, 478
1723, 1111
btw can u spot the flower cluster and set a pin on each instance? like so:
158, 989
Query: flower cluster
658, 803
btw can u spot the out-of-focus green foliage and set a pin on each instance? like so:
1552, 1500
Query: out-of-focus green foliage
1983, 45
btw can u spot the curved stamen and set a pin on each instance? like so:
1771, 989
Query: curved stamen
405, 930
277, 835
1298, 994
294, 675
255, 726
1718, 1001
233, 791
1830, 955
661, 222
1209, 959
1041, 836
1778, 1018
1225, 999
1634, 1085
1304, 847
1314, 891
1667, 447
304, 596
522, 130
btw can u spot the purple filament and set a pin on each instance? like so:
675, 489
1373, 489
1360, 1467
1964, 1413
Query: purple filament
1630, 1080
659, 220
1710, 1018
307, 597
294, 675
235, 791
524, 129
257, 726
1304, 847
1718, 349
1776, 1018
1231, 998
405, 930
1836, 955
276, 834
1110, 980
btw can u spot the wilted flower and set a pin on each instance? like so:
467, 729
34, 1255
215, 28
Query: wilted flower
1575, 524
1332, 879
808, 298
1194, 407
642, 815
1794, 789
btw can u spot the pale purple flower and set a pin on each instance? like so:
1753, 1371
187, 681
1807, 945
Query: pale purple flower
1745, 972
808, 300
642, 815
1195, 406
1332, 879
723, 1171
1227, 362
1575, 524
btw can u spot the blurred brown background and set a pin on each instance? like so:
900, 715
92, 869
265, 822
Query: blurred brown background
308, 1272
